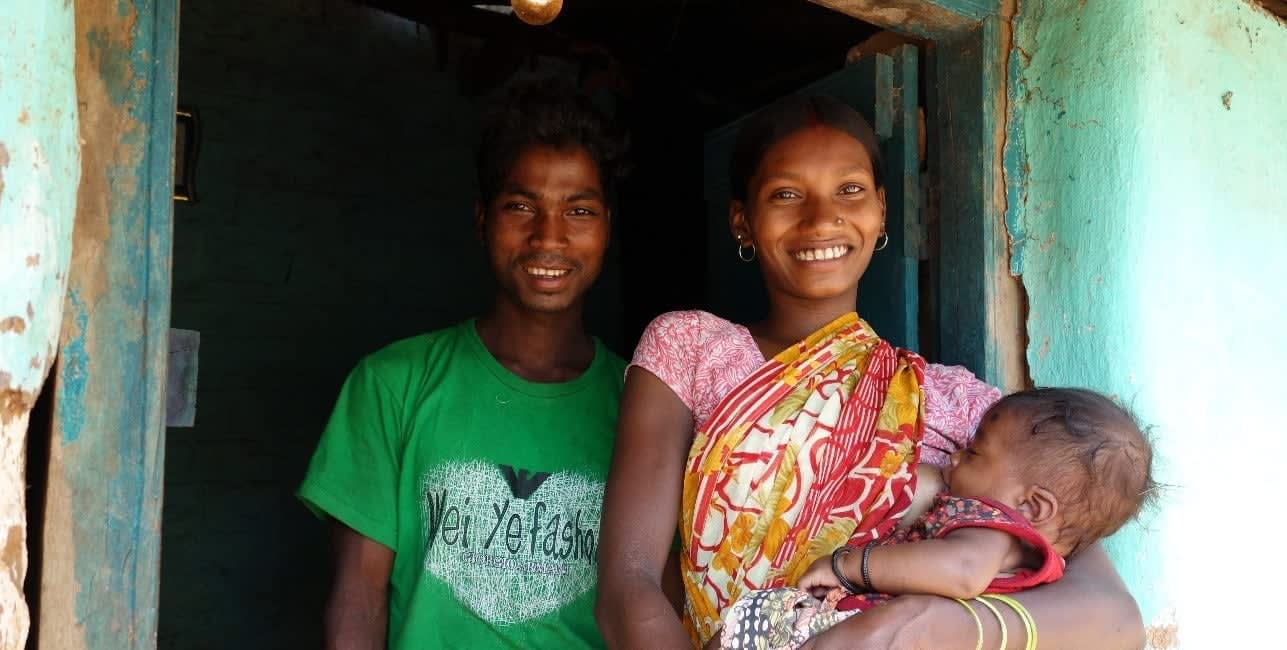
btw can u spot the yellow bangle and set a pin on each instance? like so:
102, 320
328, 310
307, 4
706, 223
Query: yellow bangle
978, 625
1005, 634
1029, 623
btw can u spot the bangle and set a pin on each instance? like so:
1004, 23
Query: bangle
978, 625
1029, 623
1005, 634
836, 557
866, 575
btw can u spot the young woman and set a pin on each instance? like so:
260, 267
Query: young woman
774, 443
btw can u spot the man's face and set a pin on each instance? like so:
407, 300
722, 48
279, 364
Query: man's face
547, 229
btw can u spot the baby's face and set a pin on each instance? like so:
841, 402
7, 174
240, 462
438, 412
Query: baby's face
989, 467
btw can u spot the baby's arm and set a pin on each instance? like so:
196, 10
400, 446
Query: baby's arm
960, 565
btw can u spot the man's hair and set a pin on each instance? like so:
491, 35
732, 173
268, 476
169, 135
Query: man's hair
547, 112
1090, 452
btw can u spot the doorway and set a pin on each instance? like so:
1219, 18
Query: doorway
286, 258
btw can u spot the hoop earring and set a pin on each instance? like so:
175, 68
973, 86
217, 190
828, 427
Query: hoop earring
884, 243
741, 249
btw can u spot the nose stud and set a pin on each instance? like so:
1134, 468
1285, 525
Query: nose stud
840, 220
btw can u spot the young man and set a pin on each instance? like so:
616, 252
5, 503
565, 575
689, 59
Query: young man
464, 469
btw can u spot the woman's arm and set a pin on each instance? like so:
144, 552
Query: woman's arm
640, 511
1088, 608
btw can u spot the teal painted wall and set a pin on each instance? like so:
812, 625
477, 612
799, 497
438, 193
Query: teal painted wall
39, 175
1150, 233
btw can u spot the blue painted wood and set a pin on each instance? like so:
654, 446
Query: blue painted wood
977, 319
972, 9
106, 465
958, 131
884, 89
929, 19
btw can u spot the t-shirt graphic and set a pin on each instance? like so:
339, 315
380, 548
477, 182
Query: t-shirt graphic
513, 544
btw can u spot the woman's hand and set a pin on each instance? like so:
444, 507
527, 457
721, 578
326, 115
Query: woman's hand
819, 578
1088, 608
904, 623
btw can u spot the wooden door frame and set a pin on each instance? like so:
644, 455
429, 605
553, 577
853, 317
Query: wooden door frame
100, 565
969, 66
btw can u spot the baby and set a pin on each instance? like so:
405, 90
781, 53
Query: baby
1050, 471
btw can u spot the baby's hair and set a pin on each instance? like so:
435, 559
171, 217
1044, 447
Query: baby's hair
1091, 452
550, 112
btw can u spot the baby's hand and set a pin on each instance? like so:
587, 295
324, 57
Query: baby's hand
819, 579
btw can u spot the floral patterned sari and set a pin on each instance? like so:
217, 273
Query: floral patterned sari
815, 449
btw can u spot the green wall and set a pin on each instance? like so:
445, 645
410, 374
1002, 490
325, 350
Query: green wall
1151, 234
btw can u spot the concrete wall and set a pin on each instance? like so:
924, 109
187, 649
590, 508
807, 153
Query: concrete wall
39, 173
335, 190
1150, 234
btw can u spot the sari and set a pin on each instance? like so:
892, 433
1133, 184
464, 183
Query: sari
815, 449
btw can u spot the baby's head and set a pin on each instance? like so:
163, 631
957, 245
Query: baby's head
1072, 461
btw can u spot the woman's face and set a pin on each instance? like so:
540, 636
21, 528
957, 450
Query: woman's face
814, 213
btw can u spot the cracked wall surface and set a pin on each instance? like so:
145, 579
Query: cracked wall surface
39, 171
1149, 229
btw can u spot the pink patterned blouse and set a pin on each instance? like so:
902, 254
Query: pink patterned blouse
702, 357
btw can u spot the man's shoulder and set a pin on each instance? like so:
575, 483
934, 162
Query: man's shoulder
612, 365
416, 353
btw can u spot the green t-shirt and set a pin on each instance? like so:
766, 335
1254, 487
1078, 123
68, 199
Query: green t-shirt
488, 488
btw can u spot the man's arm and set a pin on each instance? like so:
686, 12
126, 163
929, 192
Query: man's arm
1088, 608
357, 613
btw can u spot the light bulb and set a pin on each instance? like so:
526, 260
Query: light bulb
537, 12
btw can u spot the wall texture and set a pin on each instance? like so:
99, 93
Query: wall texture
39, 173
1150, 233
334, 215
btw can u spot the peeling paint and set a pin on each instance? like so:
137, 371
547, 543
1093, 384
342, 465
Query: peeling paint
1162, 637
39, 171
15, 324
13, 403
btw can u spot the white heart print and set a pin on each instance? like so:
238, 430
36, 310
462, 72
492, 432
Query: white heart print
513, 544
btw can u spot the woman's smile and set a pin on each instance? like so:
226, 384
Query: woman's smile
816, 254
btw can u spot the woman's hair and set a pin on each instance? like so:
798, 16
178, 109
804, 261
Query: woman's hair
783, 118
548, 112
1090, 452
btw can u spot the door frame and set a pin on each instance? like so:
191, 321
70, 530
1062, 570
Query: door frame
969, 71
100, 560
